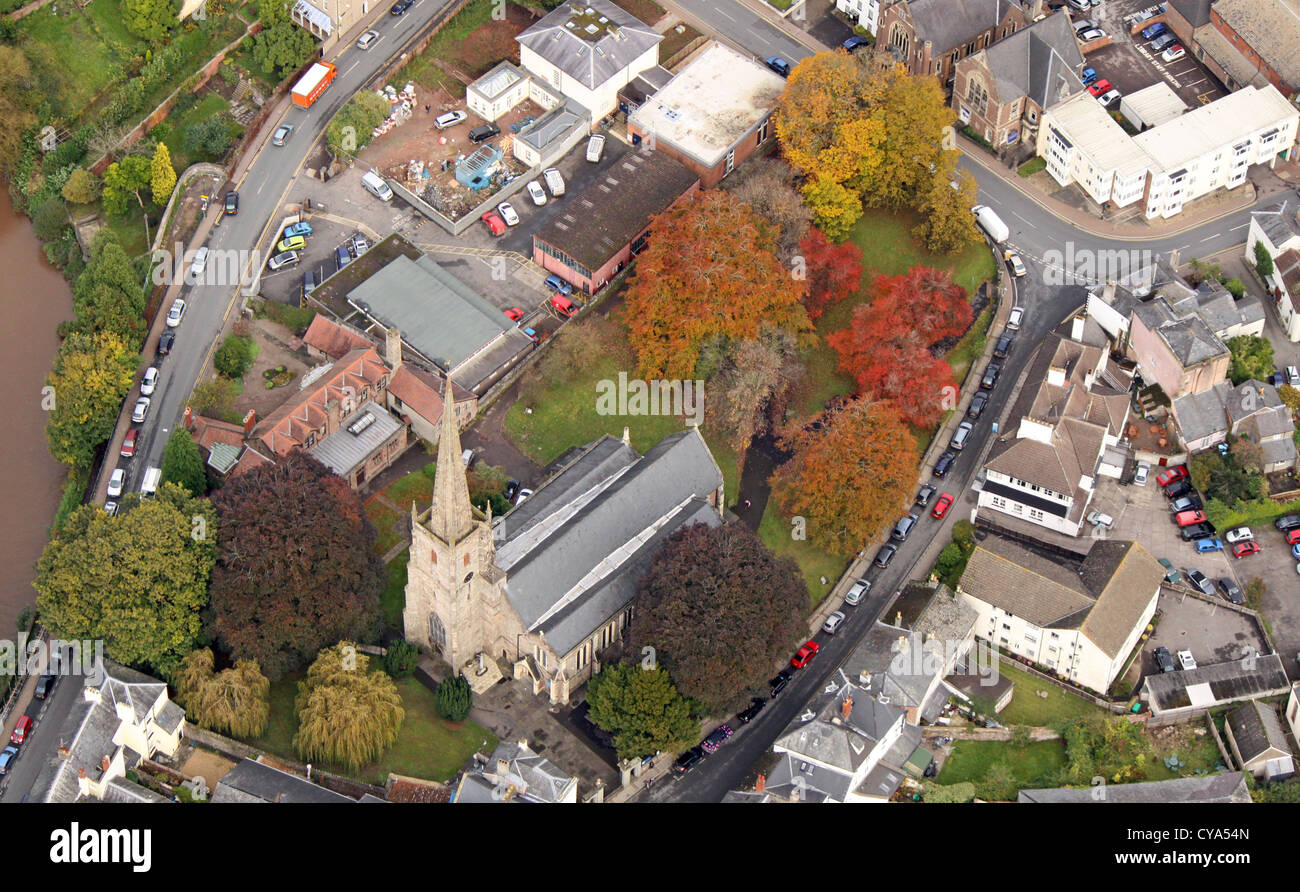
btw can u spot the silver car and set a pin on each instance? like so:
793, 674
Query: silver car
1142, 473
833, 622
367, 40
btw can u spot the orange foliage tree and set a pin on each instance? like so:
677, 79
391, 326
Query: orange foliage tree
849, 478
710, 270
834, 271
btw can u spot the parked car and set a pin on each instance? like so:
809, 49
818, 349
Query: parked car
833, 622
1142, 474
1016, 316
941, 507
1179, 489
484, 132
367, 40
961, 436
554, 181
555, 283
149, 381
1231, 590
1017, 265
1287, 522
749, 713
44, 685
1083, 25
1162, 42
283, 259
1245, 549
310, 281
450, 119
1096, 88
176, 313
563, 305
1200, 582
944, 464
7, 756
779, 65
128, 442
1293, 375
1150, 32
1197, 531
514, 314
923, 495
494, 223
856, 592
688, 760
1177, 472
805, 654
1295, 551
508, 214
1292, 537
298, 228
1240, 534
990, 378
281, 134
595, 148
1089, 75
141, 410
1004, 345
1207, 545
885, 555
199, 264
1186, 503
1091, 34
232, 203
1109, 98
292, 243
1185, 660
1187, 518
1098, 519
777, 684
1164, 660
1171, 575
903, 528
342, 256
536, 193
532, 335
21, 730
855, 42
400, 7
717, 737
522, 497
1174, 53
165, 342
116, 482
977, 404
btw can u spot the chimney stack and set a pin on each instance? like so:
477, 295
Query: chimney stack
846, 708
393, 348
332, 413
104, 762
1174, 257
1076, 327
761, 784
250, 422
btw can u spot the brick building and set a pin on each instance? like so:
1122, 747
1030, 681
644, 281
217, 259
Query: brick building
932, 36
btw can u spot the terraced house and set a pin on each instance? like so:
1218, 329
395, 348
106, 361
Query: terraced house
932, 36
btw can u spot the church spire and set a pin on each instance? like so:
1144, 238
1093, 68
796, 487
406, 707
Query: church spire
452, 516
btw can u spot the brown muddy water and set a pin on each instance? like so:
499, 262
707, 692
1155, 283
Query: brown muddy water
34, 299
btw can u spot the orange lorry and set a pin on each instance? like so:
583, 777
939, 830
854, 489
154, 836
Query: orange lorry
313, 83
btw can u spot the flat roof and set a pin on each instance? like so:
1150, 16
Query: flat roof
1217, 124
314, 76
1155, 104
710, 104
1096, 134
359, 435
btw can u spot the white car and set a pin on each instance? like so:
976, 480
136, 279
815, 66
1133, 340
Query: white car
1142, 473
367, 40
1096, 518
1015, 318
535, 193
507, 212
1109, 98
855, 594
1185, 660
360, 245
595, 146
199, 264
450, 119
833, 622
116, 482
283, 259
141, 410
1174, 53
523, 494
149, 382
176, 313
1017, 265
1293, 376
1240, 534
1091, 34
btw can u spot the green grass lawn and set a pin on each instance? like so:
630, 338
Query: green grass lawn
1035, 765
427, 746
674, 42
211, 105
1027, 708
970, 347
70, 62
813, 563
385, 521
129, 230
417, 486
393, 597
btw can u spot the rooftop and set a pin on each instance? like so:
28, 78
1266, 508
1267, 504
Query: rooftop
1271, 27
1155, 104
1212, 684
357, 438
1227, 787
1099, 137
590, 41
1041, 62
952, 23
1205, 129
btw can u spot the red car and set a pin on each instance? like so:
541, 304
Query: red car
21, 730
1096, 88
805, 654
563, 305
514, 314
1293, 537
495, 224
1241, 549
128, 444
1187, 518
1176, 473
941, 507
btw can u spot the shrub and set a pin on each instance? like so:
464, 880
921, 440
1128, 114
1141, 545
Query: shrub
401, 658
1263, 261
454, 699
234, 356
1236, 288
963, 533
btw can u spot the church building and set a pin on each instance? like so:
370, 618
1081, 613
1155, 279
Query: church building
549, 586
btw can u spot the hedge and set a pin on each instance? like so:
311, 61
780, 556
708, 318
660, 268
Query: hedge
1256, 511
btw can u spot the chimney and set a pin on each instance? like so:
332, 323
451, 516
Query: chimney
503, 768
189, 417
898, 619
523, 743
846, 708
104, 762
1108, 293
761, 784
332, 412
250, 422
1076, 327
1174, 256
393, 348
81, 772
627, 436
1056, 377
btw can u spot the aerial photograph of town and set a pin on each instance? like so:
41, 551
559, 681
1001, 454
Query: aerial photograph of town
653, 403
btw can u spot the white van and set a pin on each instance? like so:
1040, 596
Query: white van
376, 186
991, 223
554, 181
152, 478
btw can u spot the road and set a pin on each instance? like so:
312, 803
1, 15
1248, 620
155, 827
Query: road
262, 193
42, 745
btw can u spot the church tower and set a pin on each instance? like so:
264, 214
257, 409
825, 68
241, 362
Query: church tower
454, 598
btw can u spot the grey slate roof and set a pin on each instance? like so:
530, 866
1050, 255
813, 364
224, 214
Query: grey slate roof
1256, 729
555, 125
590, 41
438, 315
343, 451
1040, 62
952, 23
1197, 12
251, 781
122, 790
1278, 220
1201, 414
816, 782
1228, 682
574, 551
1216, 788
542, 780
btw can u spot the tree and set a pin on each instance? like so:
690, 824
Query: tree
1110, 747
947, 793
295, 565
770, 188
82, 187
162, 174
136, 580
950, 565
752, 385
821, 94
350, 130
50, 219
18, 97
710, 269
835, 206
1290, 397
641, 709
453, 699
850, 478
887, 346
215, 397
234, 356
281, 47
208, 138
947, 225
182, 463
92, 375
235, 701
919, 149
834, 272
718, 609
1247, 455
347, 715
108, 295
1263, 261
130, 176
400, 658
1252, 357
150, 20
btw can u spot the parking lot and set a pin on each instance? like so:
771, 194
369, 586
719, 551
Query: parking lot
1130, 65
1214, 633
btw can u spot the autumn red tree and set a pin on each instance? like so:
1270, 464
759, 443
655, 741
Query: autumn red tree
710, 270
887, 347
834, 271
850, 477
296, 570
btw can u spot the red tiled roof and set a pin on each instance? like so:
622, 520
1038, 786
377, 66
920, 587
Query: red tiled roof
1287, 265
290, 425
331, 338
420, 392
207, 431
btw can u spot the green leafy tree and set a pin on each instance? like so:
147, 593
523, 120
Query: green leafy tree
92, 375
235, 701
234, 356
350, 130
130, 176
1236, 288
20, 94
281, 47
182, 463
50, 219
454, 698
108, 295
347, 714
641, 709
1263, 260
82, 187
1110, 747
215, 397
162, 174
400, 659
1252, 357
950, 565
137, 580
208, 138
150, 20
1289, 396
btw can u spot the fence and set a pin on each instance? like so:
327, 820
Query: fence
233, 749
1117, 708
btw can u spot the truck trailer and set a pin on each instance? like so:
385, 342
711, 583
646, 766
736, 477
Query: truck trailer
313, 83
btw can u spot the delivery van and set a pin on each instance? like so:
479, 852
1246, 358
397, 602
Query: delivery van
376, 186
152, 478
991, 223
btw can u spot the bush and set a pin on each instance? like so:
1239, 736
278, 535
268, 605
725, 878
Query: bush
946, 793
454, 699
50, 219
234, 356
1263, 261
294, 318
1236, 288
401, 658
1251, 513
963, 533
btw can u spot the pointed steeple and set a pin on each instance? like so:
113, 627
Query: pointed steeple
452, 516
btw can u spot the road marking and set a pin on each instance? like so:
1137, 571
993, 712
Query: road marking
1022, 219
724, 15
1242, 226
1208, 238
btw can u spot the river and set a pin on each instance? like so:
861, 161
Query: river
35, 299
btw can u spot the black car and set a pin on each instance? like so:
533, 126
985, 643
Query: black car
944, 464
755, 707
1186, 503
1164, 659
1201, 582
885, 555
44, 685
485, 131
779, 65
511, 490
777, 685
232, 203
991, 372
854, 43
1287, 523
165, 342
310, 281
1195, 531
977, 404
924, 495
400, 7
1004, 345
688, 760
1179, 489
1231, 591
